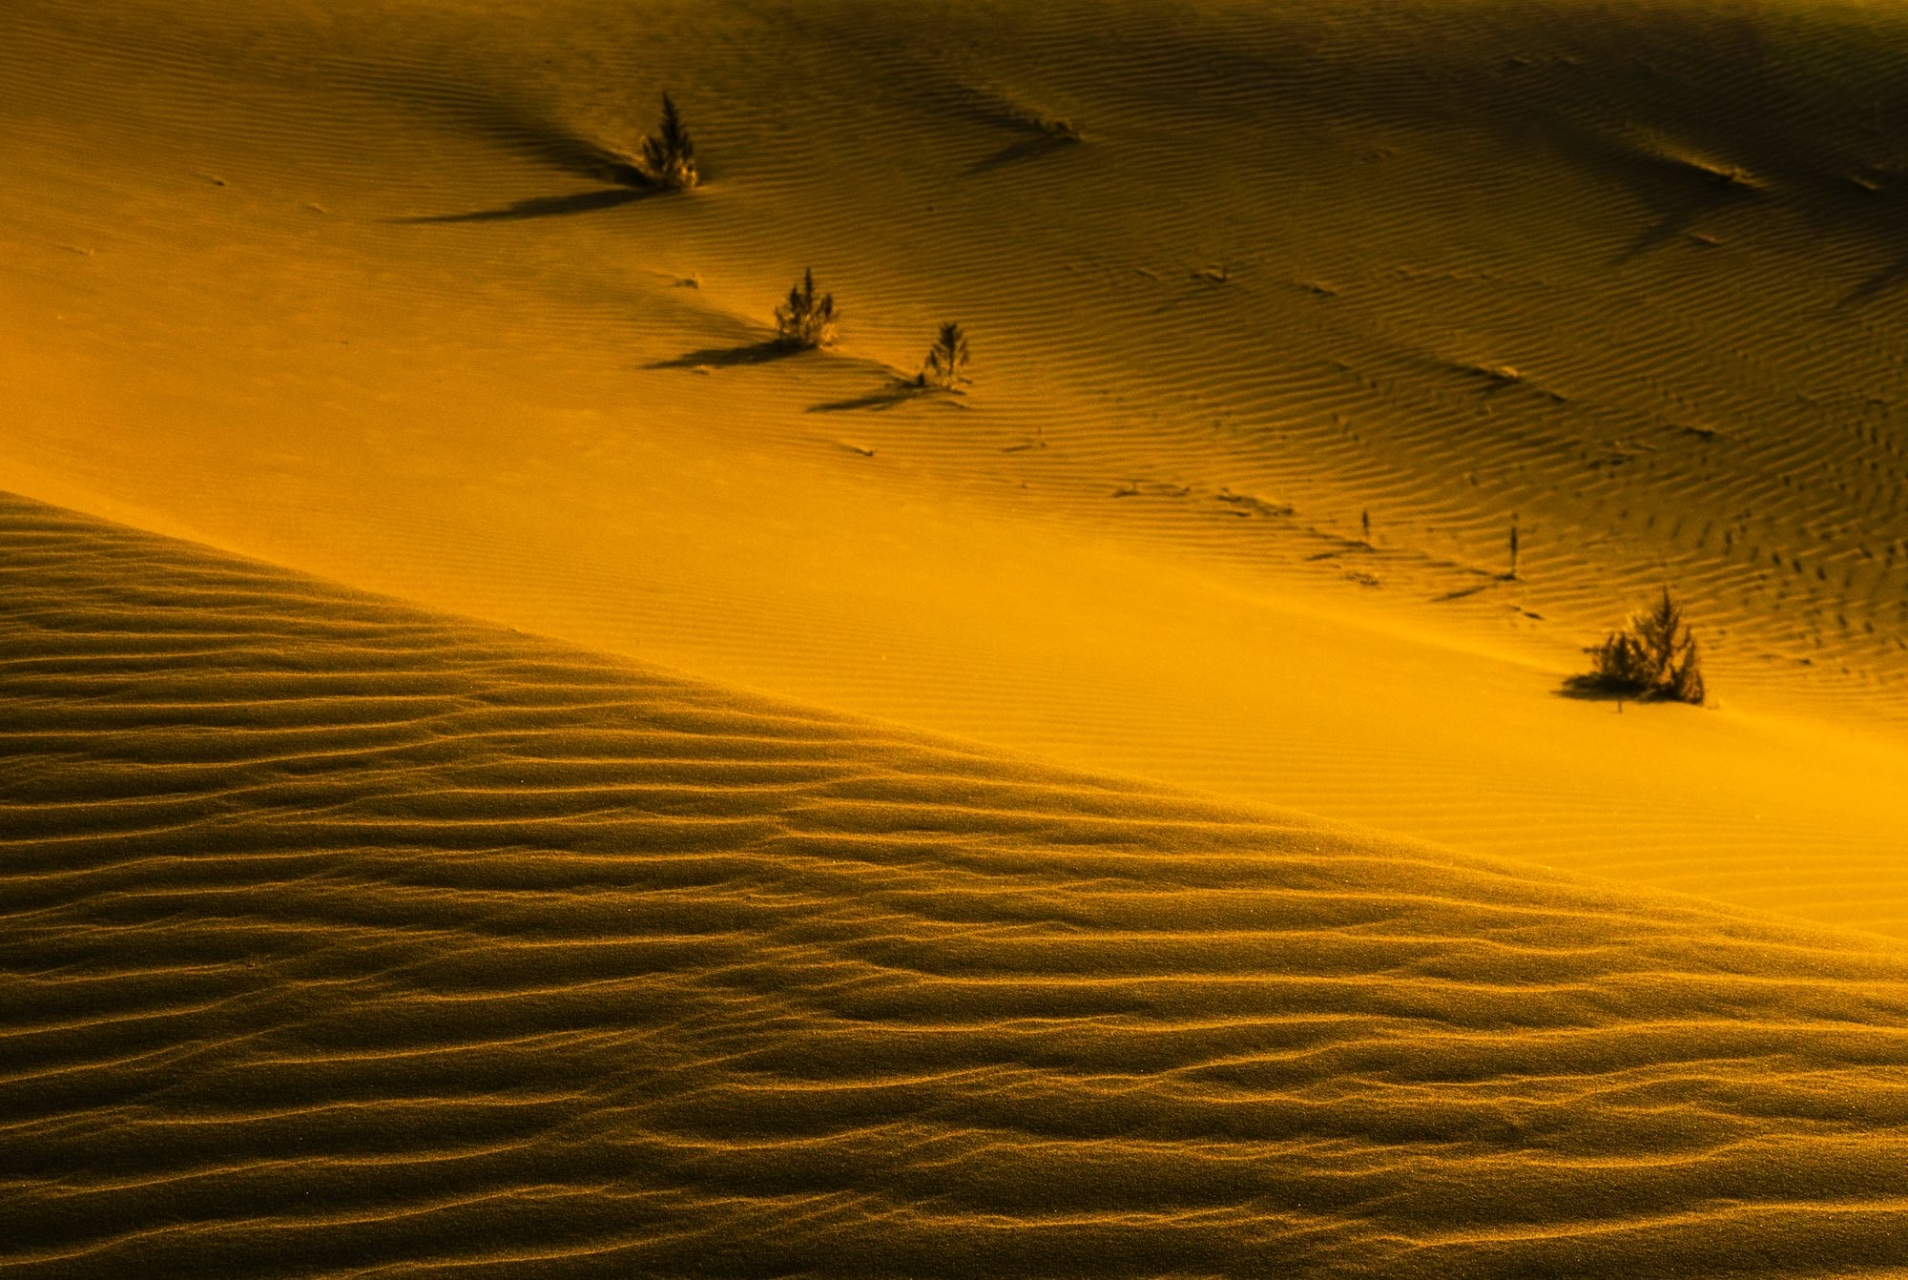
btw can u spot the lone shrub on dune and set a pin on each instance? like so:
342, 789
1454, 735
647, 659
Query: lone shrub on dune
1652, 657
669, 157
806, 321
946, 360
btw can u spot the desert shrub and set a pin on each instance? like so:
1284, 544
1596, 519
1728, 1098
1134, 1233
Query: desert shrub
946, 360
669, 157
806, 320
1653, 656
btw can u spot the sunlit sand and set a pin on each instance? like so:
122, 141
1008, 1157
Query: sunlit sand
521, 759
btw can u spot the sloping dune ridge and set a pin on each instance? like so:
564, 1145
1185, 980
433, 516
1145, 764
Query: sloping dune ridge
344, 939
352, 288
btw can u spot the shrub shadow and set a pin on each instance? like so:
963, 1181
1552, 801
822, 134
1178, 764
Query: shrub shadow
516, 125
1679, 212
730, 357
1588, 688
540, 207
1676, 192
1033, 148
1884, 281
1485, 582
896, 392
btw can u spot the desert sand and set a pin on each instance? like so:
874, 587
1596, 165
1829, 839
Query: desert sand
508, 772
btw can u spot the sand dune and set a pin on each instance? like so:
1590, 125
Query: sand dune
504, 769
368, 303
346, 939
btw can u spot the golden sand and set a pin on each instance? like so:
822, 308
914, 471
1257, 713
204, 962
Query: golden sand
375, 903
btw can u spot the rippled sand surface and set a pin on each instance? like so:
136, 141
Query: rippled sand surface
343, 939
502, 769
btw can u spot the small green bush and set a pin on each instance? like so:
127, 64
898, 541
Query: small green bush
669, 157
806, 320
946, 363
1653, 657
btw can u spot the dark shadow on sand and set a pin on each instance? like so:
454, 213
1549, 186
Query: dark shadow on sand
517, 125
541, 207
1680, 198
1486, 581
1677, 193
1026, 149
896, 392
730, 357
1674, 224
1587, 688
1888, 279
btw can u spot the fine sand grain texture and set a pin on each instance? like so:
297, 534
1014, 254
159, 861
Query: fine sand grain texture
343, 939
375, 440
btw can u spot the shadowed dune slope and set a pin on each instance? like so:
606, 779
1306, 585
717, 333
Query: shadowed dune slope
344, 939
